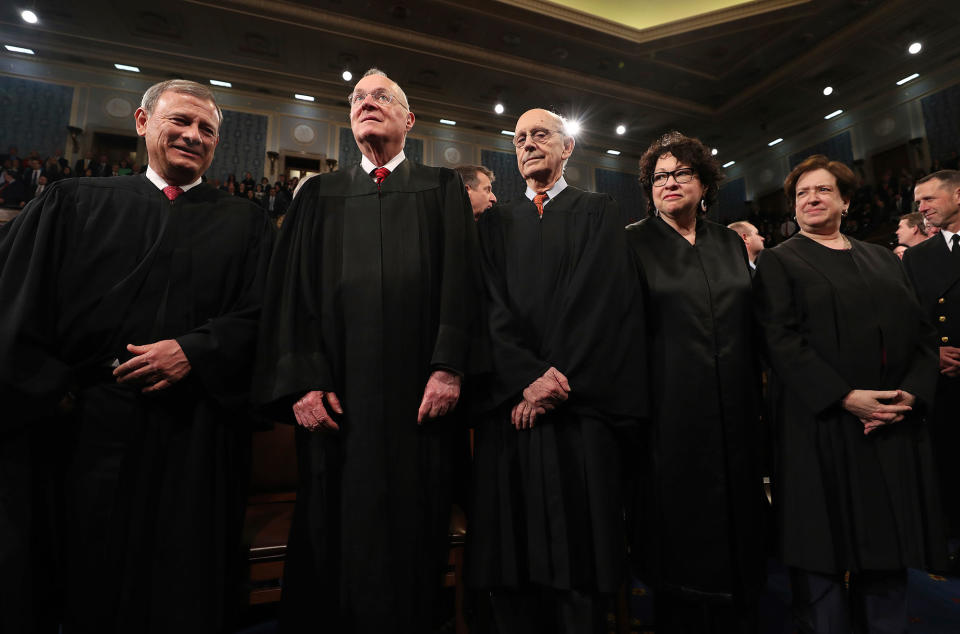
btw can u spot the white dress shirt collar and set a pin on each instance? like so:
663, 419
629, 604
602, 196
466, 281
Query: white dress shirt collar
154, 178
552, 193
948, 236
367, 165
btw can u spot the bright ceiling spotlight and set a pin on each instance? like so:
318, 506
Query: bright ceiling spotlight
499, 109
828, 91
621, 129
573, 127
713, 152
915, 48
29, 16
347, 75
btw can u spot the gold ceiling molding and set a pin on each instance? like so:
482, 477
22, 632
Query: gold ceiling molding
389, 36
595, 15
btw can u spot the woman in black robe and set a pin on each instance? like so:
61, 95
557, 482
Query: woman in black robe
854, 364
701, 494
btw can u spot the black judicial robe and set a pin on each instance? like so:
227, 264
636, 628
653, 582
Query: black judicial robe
836, 321
368, 293
935, 275
549, 501
151, 487
701, 533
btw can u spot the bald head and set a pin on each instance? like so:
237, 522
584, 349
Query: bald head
751, 237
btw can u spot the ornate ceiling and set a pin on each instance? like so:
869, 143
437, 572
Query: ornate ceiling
736, 75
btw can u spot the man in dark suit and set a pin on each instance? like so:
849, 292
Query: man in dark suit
84, 164
934, 269
275, 203
12, 191
752, 238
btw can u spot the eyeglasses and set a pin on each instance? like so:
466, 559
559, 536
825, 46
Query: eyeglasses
538, 136
380, 97
682, 176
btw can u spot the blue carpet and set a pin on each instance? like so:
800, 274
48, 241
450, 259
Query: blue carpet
933, 606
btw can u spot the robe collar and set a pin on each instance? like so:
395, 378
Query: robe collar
154, 178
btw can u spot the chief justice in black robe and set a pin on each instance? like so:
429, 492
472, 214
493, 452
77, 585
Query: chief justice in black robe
700, 543
854, 362
547, 533
144, 463
372, 295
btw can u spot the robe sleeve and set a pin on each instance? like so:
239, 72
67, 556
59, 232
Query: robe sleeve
459, 342
514, 362
222, 351
790, 355
33, 246
291, 359
922, 372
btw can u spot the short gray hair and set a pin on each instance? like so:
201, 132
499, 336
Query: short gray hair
373, 70
182, 86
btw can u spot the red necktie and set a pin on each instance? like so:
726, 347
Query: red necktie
538, 200
172, 191
379, 174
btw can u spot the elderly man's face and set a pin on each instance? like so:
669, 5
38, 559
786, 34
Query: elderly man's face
375, 123
541, 145
181, 135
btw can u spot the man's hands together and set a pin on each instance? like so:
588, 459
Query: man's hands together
540, 397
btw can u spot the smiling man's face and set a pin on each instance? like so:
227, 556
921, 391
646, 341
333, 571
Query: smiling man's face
181, 134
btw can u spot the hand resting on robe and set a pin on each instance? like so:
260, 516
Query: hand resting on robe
311, 413
440, 395
541, 396
155, 366
869, 407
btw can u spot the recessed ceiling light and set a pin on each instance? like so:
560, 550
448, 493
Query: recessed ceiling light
347, 75
499, 109
774, 142
29, 16
217, 82
132, 69
572, 127
915, 48
448, 122
304, 97
507, 132
835, 113
621, 129
908, 78
729, 163
19, 49
713, 152
614, 152
827, 91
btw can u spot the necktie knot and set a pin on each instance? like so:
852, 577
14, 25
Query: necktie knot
171, 192
380, 174
538, 200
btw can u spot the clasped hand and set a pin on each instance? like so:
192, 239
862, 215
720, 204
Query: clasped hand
950, 361
873, 412
155, 366
540, 397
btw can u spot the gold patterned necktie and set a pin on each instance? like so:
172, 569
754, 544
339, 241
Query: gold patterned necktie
538, 200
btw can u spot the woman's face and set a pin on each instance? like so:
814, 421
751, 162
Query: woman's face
818, 202
673, 198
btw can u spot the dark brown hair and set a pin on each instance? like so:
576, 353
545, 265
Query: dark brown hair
686, 150
915, 219
947, 178
471, 174
846, 181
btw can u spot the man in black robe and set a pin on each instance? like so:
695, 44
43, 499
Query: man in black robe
934, 269
371, 302
129, 310
551, 459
